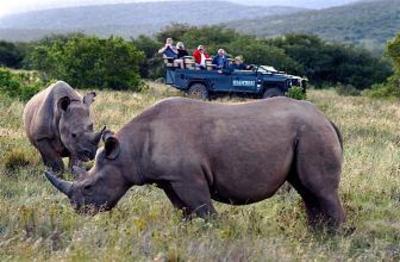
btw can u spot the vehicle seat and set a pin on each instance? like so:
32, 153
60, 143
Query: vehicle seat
209, 65
189, 63
169, 61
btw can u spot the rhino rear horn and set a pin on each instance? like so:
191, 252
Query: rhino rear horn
89, 98
63, 186
99, 135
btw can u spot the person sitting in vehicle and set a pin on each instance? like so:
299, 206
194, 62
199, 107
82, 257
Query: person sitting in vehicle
169, 51
221, 60
200, 56
240, 65
179, 62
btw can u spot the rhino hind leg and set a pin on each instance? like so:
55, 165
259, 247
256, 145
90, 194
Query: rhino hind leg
323, 209
50, 157
315, 176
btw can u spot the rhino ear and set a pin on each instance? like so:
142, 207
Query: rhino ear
89, 98
63, 103
111, 147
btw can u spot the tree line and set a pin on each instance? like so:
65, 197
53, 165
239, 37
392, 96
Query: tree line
117, 63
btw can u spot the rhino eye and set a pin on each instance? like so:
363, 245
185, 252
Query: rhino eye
73, 135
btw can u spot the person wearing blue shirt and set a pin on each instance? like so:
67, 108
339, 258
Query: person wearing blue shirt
169, 50
221, 60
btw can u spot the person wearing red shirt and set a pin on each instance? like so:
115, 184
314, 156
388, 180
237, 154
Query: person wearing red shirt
200, 56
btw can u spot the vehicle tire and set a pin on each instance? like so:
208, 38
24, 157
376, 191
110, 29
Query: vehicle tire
198, 91
272, 92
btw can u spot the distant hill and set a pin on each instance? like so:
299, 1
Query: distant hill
311, 4
367, 23
129, 19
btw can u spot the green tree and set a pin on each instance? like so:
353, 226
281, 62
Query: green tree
153, 65
393, 50
327, 63
10, 55
89, 62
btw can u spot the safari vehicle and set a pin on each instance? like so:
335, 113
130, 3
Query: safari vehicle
260, 82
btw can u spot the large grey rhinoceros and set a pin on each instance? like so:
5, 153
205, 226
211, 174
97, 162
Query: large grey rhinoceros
235, 154
58, 123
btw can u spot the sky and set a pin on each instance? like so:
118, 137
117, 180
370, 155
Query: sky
18, 6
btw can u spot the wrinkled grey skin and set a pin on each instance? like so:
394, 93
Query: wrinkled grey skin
58, 123
235, 154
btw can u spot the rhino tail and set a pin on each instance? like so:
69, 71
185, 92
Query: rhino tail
339, 134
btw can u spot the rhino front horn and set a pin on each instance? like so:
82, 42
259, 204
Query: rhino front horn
63, 186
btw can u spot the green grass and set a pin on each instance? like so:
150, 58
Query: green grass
37, 222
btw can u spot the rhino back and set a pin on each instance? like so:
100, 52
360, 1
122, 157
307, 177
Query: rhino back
40, 113
229, 140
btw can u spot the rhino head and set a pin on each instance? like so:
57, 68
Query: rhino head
102, 186
76, 127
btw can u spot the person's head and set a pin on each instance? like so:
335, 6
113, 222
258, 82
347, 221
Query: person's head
180, 45
221, 52
238, 60
169, 41
201, 48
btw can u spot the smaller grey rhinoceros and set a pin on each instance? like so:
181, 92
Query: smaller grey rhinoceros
58, 123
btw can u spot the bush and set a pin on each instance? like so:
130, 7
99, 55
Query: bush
16, 158
347, 90
10, 55
389, 90
90, 62
296, 92
329, 64
21, 85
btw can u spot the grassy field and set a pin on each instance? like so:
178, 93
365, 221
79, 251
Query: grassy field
37, 222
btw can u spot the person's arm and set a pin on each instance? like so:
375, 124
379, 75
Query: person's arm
174, 49
214, 61
195, 56
162, 50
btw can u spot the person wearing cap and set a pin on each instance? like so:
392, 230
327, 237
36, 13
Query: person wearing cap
200, 56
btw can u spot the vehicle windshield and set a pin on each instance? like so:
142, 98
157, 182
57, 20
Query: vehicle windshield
264, 69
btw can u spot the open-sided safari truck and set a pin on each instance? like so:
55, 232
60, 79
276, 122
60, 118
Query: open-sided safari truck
260, 82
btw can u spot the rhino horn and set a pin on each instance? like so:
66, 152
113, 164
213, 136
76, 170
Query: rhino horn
64, 186
98, 135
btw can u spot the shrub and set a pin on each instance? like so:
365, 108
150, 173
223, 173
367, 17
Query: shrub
16, 158
90, 62
18, 85
10, 55
389, 90
347, 90
296, 92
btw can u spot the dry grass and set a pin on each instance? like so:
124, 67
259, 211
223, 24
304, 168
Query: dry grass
37, 223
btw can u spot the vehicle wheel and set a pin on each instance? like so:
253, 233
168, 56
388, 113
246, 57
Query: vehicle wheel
198, 91
272, 92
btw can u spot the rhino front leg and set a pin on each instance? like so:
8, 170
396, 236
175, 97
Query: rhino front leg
50, 156
195, 198
175, 200
74, 161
